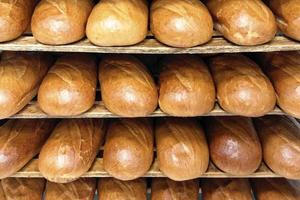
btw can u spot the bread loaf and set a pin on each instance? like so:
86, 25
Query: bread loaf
112, 189
181, 23
186, 87
127, 87
166, 189
81, 189
242, 88
220, 189
20, 141
58, 22
233, 144
274, 189
71, 149
182, 151
14, 18
287, 14
128, 149
283, 69
69, 88
23, 188
118, 22
21, 75
243, 22
280, 139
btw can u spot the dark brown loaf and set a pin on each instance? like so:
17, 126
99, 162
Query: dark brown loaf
242, 88
220, 189
182, 149
166, 189
280, 139
243, 22
69, 88
112, 189
283, 69
20, 141
234, 145
21, 75
81, 189
23, 188
118, 22
181, 23
127, 87
58, 22
15, 16
287, 14
186, 87
128, 150
275, 189
71, 149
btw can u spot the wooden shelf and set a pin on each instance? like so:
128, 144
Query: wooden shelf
97, 170
32, 111
151, 46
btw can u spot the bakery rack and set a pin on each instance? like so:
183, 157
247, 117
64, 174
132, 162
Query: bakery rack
149, 46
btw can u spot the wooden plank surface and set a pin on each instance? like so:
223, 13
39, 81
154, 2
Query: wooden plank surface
97, 170
151, 46
33, 111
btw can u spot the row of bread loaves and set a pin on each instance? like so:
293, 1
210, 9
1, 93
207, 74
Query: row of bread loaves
185, 85
161, 189
178, 23
183, 152
69, 87
56, 22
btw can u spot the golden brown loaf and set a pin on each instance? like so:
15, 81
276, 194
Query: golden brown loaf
58, 22
242, 88
69, 88
243, 22
182, 149
15, 16
128, 149
275, 189
71, 149
280, 138
21, 75
23, 188
231, 189
186, 87
20, 141
181, 23
166, 189
113, 189
81, 189
118, 22
127, 87
287, 14
234, 145
283, 69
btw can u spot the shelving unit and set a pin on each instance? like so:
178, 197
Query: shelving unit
179, 147
151, 46
97, 170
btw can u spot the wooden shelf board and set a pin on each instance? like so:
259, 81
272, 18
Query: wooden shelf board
33, 111
151, 46
97, 170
